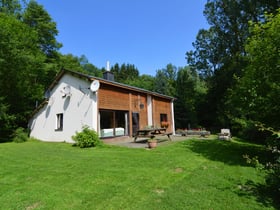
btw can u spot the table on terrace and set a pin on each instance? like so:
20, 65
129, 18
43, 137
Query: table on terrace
152, 133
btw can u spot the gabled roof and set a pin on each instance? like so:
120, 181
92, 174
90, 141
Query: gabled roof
101, 80
104, 81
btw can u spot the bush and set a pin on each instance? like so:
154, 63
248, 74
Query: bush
250, 131
273, 177
86, 138
20, 135
272, 164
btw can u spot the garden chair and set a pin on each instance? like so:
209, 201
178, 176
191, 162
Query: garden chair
225, 134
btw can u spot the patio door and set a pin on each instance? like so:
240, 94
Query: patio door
113, 123
135, 122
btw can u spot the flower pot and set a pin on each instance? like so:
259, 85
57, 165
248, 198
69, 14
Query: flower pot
152, 144
164, 124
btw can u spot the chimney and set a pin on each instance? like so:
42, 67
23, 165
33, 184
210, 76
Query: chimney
108, 75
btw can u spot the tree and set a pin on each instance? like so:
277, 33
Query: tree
10, 7
219, 51
21, 67
144, 81
165, 80
205, 58
7, 121
70, 62
256, 97
190, 89
125, 73
36, 17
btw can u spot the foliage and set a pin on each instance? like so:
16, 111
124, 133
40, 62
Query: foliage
88, 67
10, 7
257, 92
125, 72
144, 81
165, 80
273, 177
190, 91
219, 51
20, 135
250, 130
272, 163
21, 63
37, 18
7, 121
86, 138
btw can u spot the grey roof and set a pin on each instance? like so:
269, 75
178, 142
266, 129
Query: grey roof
102, 80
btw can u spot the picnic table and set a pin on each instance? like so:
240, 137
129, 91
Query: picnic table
152, 133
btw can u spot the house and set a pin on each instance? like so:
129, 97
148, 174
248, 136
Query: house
75, 100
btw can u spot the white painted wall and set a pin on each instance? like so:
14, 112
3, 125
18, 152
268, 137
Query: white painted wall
150, 110
78, 110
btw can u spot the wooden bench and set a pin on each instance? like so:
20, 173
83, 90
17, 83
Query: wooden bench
152, 133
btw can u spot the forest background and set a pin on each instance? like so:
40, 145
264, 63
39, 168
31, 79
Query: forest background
232, 78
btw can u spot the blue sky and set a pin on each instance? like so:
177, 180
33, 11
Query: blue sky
147, 33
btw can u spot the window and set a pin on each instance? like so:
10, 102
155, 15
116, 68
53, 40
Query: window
163, 117
59, 122
164, 121
113, 123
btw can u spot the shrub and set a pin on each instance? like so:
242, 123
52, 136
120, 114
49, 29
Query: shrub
272, 165
250, 130
20, 135
273, 176
86, 138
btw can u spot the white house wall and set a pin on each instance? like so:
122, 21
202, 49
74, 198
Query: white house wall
79, 109
150, 109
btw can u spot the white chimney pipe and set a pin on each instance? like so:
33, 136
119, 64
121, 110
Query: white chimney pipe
108, 66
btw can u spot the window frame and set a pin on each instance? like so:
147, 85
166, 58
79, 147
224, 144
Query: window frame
59, 122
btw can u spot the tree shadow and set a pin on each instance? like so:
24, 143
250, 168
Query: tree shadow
232, 153
263, 193
228, 152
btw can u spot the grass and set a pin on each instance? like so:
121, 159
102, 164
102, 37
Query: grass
193, 174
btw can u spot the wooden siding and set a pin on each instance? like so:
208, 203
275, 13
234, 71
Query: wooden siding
113, 98
136, 100
161, 106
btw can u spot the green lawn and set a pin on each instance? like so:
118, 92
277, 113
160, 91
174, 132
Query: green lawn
192, 174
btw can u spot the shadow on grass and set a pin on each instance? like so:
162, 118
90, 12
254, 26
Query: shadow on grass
231, 153
264, 194
228, 152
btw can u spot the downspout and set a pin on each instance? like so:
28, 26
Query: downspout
95, 113
172, 113
149, 110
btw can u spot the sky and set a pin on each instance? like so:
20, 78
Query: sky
146, 33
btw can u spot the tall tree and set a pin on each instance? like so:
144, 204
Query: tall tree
190, 90
219, 51
21, 66
165, 80
125, 72
10, 7
38, 18
256, 97
144, 81
70, 62
7, 121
